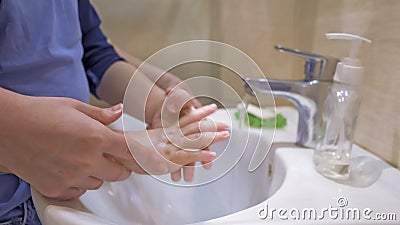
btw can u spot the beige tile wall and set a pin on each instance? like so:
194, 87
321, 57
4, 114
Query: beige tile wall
142, 27
255, 27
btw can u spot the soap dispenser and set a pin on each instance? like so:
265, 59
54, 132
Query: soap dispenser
332, 155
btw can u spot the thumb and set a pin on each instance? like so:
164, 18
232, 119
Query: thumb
103, 115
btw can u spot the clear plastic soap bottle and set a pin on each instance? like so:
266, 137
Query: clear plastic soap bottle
332, 155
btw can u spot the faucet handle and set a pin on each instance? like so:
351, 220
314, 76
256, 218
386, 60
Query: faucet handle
323, 72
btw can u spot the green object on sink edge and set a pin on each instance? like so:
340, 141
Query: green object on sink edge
279, 121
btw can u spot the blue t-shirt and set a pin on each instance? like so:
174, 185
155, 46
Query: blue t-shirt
49, 48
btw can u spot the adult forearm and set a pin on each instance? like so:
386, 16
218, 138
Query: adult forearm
4, 169
147, 97
9, 100
11, 105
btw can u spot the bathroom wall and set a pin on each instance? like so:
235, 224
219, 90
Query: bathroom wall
142, 27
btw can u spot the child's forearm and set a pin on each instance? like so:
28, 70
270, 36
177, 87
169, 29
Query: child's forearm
146, 97
168, 80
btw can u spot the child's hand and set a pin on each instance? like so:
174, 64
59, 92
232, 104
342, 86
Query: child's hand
174, 82
177, 102
160, 151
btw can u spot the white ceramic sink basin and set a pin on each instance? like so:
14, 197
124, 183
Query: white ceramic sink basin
130, 201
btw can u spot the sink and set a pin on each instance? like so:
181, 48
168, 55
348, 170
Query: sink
230, 194
130, 201
227, 188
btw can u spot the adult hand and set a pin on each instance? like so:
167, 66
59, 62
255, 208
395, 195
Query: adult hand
60, 145
162, 150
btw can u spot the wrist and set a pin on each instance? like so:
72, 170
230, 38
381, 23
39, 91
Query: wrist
13, 106
154, 103
168, 81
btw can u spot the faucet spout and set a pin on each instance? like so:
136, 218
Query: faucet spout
307, 96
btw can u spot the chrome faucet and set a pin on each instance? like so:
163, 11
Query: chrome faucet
307, 95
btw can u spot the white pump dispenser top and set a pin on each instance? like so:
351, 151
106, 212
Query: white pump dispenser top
350, 69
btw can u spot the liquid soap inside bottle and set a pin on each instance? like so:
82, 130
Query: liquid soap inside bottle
332, 155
